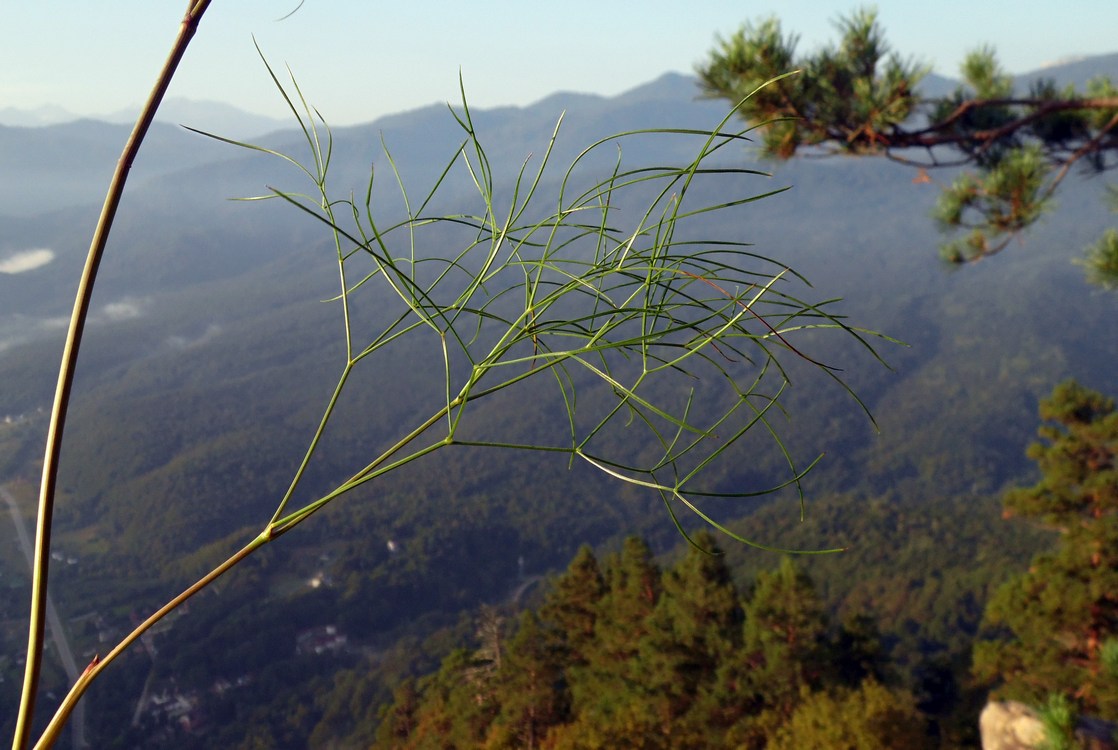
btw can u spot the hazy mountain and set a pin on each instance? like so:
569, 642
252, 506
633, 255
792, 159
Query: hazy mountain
213, 117
48, 114
1076, 71
183, 256
178, 239
216, 117
62, 161
70, 164
56, 159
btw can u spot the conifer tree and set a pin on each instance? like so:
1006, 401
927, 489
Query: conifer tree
398, 720
1054, 629
695, 627
785, 635
633, 588
783, 653
869, 717
452, 714
612, 703
571, 606
531, 689
675, 661
859, 98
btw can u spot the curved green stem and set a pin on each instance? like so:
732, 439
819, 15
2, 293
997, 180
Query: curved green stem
329, 412
58, 721
37, 619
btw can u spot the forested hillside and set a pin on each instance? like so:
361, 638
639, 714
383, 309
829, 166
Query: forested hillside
627, 655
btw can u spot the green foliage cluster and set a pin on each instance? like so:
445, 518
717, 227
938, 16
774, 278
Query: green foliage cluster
858, 98
848, 95
624, 654
1058, 718
1053, 630
1101, 259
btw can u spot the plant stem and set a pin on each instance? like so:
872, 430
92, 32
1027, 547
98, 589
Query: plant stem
58, 721
37, 620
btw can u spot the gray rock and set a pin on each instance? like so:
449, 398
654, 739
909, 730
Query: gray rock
1009, 725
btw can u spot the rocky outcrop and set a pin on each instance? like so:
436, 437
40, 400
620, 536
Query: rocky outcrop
1009, 725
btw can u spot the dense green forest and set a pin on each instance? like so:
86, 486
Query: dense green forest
629, 654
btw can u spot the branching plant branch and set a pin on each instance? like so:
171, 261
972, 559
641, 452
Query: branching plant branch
857, 98
542, 287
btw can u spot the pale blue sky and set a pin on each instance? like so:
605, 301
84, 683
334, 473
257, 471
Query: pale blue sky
359, 59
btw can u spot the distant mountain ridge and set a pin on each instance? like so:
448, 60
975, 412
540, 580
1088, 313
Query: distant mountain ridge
230, 120
76, 156
1077, 71
218, 117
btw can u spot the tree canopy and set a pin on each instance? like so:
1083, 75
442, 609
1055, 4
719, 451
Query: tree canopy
859, 97
1054, 629
674, 658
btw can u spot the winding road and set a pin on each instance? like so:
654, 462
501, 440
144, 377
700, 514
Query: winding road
54, 623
